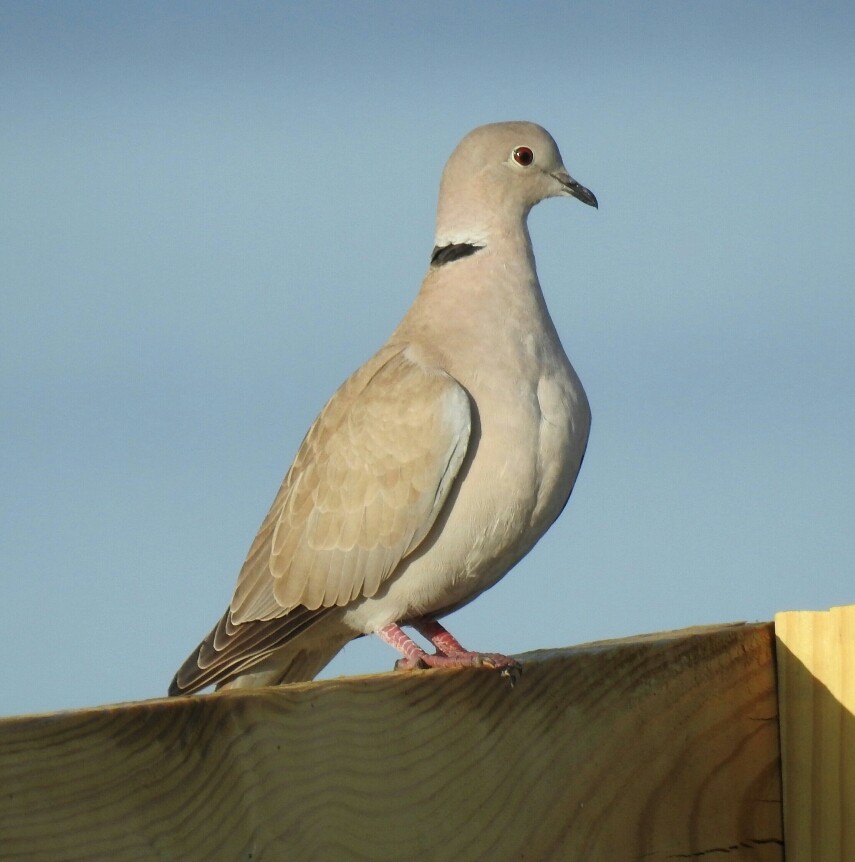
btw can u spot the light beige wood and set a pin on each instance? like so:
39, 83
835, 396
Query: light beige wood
654, 748
816, 672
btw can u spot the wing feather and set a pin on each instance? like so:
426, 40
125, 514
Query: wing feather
365, 488
368, 483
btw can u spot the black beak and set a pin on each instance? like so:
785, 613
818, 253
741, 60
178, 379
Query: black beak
584, 195
571, 187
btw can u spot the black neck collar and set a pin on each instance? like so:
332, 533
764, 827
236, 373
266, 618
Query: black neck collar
443, 254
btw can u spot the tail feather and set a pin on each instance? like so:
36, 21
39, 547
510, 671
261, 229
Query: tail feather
277, 646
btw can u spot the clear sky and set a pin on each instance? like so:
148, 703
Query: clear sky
212, 212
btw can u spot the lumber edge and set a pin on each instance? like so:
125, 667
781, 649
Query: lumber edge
646, 747
816, 678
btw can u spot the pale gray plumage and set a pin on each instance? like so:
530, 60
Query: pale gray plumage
438, 464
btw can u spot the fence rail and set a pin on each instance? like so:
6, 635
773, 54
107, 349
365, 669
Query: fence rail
651, 748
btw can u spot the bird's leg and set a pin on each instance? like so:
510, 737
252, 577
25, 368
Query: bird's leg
448, 645
414, 655
440, 637
449, 651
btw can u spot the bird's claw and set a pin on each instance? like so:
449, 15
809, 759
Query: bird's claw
410, 664
509, 668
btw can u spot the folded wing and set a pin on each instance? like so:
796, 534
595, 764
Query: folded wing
368, 482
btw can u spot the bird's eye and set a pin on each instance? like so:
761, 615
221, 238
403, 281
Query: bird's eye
523, 156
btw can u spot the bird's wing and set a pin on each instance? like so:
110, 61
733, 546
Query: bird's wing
230, 650
367, 484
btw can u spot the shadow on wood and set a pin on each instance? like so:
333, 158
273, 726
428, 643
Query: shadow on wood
654, 748
816, 673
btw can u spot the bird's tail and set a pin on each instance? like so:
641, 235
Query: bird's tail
293, 648
302, 665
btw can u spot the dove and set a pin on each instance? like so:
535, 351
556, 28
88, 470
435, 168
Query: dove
436, 467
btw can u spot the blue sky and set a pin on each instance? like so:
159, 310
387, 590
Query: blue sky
211, 213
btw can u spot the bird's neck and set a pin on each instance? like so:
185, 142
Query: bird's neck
472, 289
479, 226
501, 238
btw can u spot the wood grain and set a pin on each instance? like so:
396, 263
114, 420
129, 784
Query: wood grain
816, 672
662, 747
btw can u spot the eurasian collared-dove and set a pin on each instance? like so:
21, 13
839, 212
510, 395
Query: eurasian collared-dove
437, 466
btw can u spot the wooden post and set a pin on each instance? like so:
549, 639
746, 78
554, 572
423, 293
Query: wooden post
653, 748
816, 673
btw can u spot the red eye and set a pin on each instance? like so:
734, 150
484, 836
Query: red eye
523, 156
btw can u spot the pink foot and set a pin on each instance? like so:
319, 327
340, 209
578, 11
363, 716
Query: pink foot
449, 652
461, 659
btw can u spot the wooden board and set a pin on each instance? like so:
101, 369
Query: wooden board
816, 670
655, 748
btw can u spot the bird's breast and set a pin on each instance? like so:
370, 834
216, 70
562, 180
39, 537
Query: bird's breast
533, 424
565, 421
540, 436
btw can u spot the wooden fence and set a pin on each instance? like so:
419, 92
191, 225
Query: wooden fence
723, 742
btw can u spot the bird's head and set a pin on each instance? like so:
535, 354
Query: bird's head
495, 175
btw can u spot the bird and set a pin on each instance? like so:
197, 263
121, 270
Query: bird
436, 467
